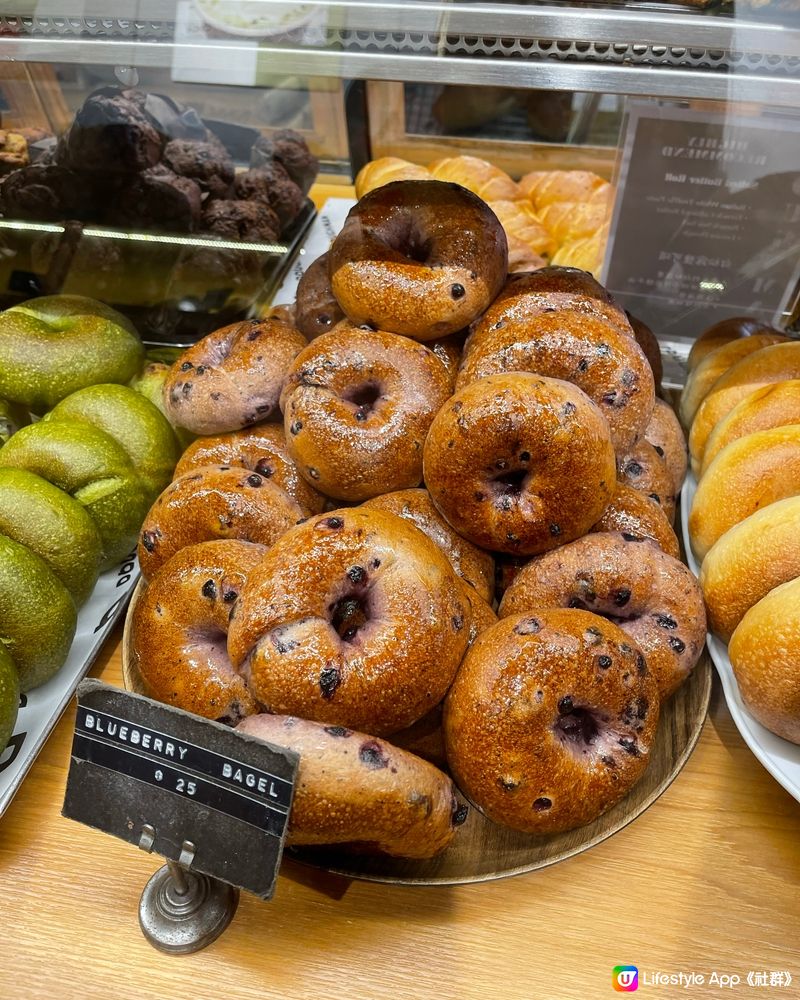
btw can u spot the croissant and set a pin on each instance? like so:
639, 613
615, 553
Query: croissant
376, 173
519, 220
483, 179
544, 187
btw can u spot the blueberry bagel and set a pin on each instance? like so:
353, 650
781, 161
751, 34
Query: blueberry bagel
352, 787
179, 625
353, 618
653, 598
420, 258
550, 720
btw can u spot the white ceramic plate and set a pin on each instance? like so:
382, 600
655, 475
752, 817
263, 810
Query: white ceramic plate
246, 19
41, 708
779, 757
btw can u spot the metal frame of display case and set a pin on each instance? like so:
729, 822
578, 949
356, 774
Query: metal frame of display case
641, 49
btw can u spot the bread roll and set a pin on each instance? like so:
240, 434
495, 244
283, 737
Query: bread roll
748, 561
587, 253
544, 187
479, 176
763, 652
746, 475
519, 220
775, 363
376, 173
569, 220
772, 406
714, 364
722, 333
521, 259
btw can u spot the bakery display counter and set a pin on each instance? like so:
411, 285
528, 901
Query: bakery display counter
703, 882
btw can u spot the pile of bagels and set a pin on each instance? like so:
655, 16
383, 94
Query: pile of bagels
741, 406
420, 437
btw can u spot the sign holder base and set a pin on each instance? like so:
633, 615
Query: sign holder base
181, 912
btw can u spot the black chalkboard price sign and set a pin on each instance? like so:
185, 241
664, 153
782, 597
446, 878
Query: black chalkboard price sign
200, 794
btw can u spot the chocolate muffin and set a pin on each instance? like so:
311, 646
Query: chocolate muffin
272, 186
251, 221
290, 150
111, 133
157, 199
43, 193
202, 162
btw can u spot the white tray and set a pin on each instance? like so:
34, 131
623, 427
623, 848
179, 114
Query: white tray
780, 757
41, 708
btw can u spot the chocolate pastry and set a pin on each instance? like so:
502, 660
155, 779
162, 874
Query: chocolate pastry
111, 133
157, 199
43, 193
13, 151
251, 221
290, 150
201, 161
271, 185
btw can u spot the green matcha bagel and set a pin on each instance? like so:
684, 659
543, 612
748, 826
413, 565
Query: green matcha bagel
9, 697
56, 527
88, 464
57, 344
134, 422
37, 616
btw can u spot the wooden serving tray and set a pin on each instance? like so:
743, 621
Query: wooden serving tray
482, 850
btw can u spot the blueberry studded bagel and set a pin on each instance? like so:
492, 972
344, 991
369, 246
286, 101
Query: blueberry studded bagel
519, 463
352, 787
178, 629
551, 720
354, 618
652, 597
421, 258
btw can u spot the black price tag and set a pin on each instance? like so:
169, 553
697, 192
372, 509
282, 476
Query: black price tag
138, 765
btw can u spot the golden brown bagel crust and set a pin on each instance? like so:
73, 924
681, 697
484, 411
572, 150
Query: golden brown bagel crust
213, 503
232, 378
550, 720
472, 564
643, 469
356, 618
519, 463
636, 515
448, 350
775, 363
648, 342
355, 788
178, 629
582, 348
773, 405
763, 653
419, 258
747, 474
722, 333
317, 310
261, 449
357, 406
714, 364
551, 288
665, 434
654, 598
748, 561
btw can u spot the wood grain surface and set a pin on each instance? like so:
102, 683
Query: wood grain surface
705, 880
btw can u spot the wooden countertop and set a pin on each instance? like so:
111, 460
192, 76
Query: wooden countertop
705, 880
